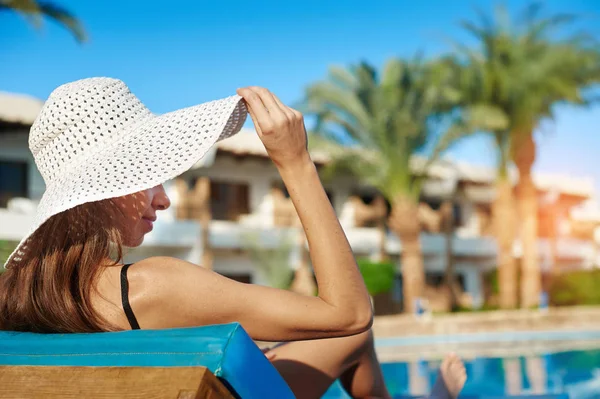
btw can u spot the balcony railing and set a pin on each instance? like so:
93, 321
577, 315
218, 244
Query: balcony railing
230, 235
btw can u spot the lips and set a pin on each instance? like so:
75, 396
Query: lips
149, 223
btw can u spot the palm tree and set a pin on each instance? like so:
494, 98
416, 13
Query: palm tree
382, 120
481, 114
36, 10
522, 70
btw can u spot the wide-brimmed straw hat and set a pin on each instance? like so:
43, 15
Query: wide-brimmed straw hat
94, 140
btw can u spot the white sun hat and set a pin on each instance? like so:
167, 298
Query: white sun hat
94, 140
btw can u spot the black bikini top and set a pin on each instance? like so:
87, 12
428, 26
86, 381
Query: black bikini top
125, 298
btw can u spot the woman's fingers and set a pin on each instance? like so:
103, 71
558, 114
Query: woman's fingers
266, 110
278, 118
268, 100
286, 110
281, 129
256, 108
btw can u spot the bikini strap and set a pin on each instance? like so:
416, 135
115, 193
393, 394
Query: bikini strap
125, 298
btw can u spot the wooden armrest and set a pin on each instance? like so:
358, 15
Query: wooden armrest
28, 382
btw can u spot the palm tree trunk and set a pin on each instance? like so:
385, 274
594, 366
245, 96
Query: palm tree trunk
383, 256
554, 268
404, 222
202, 193
528, 215
504, 225
182, 209
446, 212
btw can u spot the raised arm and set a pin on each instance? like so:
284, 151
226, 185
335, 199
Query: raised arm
342, 307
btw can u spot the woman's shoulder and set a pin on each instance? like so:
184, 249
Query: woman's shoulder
160, 277
159, 287
161, 268
157, 263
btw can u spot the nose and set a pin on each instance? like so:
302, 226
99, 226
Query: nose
161, 200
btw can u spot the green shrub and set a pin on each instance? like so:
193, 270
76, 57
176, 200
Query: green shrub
575, 288
491, 280
378, 276
6, 248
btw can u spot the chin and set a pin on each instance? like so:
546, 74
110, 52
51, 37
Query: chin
134, 243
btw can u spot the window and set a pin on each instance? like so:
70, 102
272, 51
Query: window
458, 215
228, 201
13, 181
439, 279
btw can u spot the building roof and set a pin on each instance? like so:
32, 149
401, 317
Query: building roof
552, 182
247, 142
19, 108
23, 109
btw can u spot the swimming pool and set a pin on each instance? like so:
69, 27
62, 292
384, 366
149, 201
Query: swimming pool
576, 373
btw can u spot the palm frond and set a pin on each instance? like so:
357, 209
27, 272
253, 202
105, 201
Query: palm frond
363, 164
487, 23
523, 73
389, 116
475, 30
530, 14
30, 9
326, 94
34, 11
342, 77
502, 18
24, 6
65, 18
541, 29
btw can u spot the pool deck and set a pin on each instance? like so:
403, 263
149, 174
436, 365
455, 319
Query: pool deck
489, 334
407, 338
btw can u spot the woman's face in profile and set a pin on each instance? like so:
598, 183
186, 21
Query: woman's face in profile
139, 211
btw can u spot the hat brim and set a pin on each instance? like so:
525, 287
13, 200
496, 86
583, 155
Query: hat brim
160, 149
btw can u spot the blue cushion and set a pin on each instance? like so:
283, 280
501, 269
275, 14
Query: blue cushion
532, 396
226, 350
527, 396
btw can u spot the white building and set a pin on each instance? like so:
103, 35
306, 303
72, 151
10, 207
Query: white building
243, 200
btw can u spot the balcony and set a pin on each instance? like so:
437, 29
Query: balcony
230, 235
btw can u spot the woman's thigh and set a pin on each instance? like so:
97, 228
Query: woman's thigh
310, 367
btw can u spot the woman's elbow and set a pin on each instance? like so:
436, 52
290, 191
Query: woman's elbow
364, 320
360, 322
349, 320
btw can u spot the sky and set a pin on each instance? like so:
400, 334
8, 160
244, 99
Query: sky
180, 53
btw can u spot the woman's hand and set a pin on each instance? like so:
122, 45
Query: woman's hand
280, 128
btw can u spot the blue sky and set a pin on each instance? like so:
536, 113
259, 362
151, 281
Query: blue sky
190, 51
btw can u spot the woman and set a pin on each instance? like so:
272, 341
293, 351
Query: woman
104, 158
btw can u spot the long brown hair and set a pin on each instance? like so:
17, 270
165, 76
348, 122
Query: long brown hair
49, 290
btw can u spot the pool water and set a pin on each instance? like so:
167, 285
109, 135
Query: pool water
576, 373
